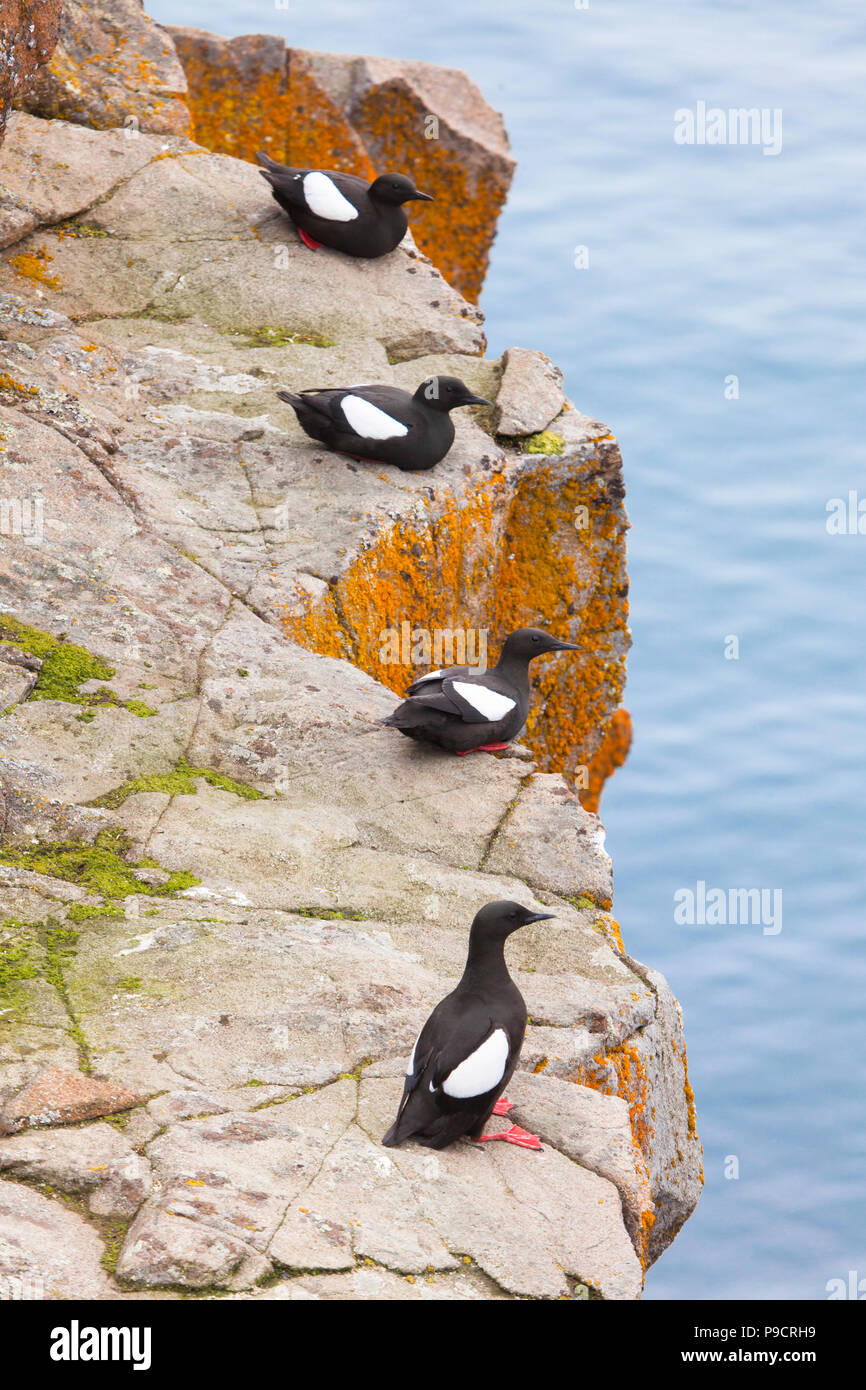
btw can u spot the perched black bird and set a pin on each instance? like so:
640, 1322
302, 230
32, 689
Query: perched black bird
342, 211
468, 1048
383, 423
470, 711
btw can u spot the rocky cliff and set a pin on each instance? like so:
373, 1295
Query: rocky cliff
229, 898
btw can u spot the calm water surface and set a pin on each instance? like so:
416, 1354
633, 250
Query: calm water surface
706, 262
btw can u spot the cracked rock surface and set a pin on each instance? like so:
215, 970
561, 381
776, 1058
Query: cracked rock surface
228, 897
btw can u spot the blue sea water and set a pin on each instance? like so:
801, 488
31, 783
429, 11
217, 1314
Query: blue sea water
706, 262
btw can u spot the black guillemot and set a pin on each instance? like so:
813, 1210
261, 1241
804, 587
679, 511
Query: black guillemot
468, 711
468, 1048
383, 423
343, 211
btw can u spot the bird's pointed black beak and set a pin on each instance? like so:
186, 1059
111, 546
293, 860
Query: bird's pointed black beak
539, 917
564, 647
417, 197
477, 400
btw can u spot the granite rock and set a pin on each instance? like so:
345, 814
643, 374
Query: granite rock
229, 889
112, 66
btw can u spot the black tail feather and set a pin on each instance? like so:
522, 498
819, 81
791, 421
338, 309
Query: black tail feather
413, 715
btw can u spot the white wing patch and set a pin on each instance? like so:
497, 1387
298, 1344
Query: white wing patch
481, 1071
368, 421
411, 1066
324, 198
487, 702
430, 676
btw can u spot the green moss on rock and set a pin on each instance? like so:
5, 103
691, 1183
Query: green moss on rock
60, 942
330, 914
79, 229
82, 913
139, 708
100, 867
181, 781
282, 337
18, 962
65, 668
545, 442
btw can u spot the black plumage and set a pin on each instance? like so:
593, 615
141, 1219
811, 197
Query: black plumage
466, 710
383, 423
343, 211
471, 1040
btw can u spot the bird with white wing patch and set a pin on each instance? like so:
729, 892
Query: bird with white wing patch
466, 710
383, 423
469, 1047
342, 211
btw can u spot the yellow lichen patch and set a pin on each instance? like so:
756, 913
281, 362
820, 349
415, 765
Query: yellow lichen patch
610, 754
33, 265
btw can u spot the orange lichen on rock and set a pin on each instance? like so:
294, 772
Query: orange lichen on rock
18, 388
319, 136
690, 1097
420, 570
238, 93
577, 591
610, 754
33, 266
611, 930
113, 65
457, 229
621, 1072
466, 567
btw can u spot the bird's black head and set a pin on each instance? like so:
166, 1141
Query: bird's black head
528, 642
447, 393
396, 189
497, 921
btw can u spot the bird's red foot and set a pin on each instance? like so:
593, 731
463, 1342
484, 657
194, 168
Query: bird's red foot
482, 748
515, 1135
308, 240
502, 1106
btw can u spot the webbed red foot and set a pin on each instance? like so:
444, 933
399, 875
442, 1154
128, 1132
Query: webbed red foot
515, 1135
483, 748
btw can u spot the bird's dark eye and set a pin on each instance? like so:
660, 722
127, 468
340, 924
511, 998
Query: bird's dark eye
451, 389
536, 639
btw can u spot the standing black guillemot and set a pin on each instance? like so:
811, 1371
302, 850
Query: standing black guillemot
468, 1048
